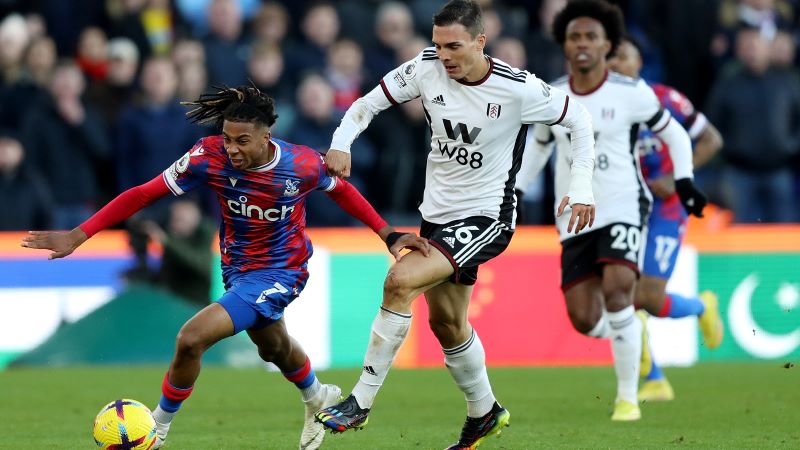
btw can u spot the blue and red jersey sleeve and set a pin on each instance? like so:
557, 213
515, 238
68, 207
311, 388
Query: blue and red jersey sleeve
191, 170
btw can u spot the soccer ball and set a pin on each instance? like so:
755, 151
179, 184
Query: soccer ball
124, 425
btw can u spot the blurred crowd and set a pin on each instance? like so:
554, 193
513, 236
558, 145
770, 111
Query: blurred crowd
90, 92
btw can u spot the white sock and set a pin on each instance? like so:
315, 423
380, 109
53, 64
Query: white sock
162, 416
389, 330
626, 345
467, 365
309, 392
601, 329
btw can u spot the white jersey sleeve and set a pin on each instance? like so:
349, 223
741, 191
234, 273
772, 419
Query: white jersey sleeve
398, 86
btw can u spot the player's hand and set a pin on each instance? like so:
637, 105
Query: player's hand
581, 217
663, 187
61, 243
693, 199
412, 242
338, 163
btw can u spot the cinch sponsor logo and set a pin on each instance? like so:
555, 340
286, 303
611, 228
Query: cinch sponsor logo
256, 212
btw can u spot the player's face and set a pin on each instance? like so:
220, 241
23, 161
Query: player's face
247, 144
459, 51
586, 44
626, 60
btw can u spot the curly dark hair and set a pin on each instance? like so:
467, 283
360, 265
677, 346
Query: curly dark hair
239, 104
610, 16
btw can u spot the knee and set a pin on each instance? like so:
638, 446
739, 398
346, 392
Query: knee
584, 320
397, 289
190, 343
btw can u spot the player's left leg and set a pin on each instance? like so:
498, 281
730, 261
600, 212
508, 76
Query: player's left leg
465, 358
617, 284
275, 345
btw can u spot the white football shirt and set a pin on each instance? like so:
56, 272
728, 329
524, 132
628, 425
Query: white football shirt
617, 108
478, 132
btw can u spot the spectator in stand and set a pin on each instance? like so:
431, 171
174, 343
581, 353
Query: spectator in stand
40, 59
320, 29
67, 140
783, 51
188, 51
757, 110
403, 136
92, 55
345, 72
314, 125
150, 135
394, 27
30, 83
23, 187
266, 70
226, 46
511, 51
116, 91
192, 81
13, 42
186, 259
271, 23
153, 132
549, 61
768, 16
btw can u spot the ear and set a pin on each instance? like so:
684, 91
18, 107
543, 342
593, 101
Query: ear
481, 39
606, 47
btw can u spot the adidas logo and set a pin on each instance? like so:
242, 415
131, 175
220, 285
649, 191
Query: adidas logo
370, 370
438, 100
451, 241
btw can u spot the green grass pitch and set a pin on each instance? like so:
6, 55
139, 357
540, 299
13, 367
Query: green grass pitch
724, 406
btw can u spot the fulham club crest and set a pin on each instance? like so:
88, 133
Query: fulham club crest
493, 111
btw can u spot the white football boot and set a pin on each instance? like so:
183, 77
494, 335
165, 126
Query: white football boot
313, 431
161, 434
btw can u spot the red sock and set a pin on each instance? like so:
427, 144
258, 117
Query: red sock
664, 312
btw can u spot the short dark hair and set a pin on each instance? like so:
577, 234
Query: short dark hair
240, 104
463, 12
610, 16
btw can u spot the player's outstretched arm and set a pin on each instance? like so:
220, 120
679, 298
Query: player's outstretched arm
62, 243
350, 200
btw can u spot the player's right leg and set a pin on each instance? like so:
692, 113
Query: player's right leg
206, 328
406, 280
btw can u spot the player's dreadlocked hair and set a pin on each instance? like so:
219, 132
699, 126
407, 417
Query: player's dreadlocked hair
610, 16
464, 12
240, 104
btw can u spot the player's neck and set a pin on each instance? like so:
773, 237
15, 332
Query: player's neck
588, 81
479, 71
